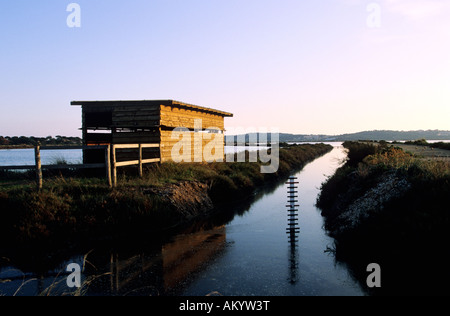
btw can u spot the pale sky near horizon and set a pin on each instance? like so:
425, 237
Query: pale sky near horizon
306, 67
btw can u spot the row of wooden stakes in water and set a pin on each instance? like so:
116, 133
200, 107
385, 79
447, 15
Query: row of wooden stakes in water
293, 227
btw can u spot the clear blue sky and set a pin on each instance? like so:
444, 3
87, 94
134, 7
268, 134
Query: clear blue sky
300, 66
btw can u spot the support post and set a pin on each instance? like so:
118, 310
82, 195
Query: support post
37, 156
108, 165
140, 161
114, 166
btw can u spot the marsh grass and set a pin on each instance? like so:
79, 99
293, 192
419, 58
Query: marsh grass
58, 286
417, 219
397, 159
54, 288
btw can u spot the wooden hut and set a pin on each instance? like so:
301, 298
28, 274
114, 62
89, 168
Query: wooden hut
147, 122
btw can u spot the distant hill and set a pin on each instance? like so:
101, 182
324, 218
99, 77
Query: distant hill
366, 135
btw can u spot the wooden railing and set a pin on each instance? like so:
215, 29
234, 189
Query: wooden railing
140, 162
110, 164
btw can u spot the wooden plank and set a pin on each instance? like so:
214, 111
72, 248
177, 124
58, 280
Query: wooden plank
134, 157
22, 167
136, 162
136, 134
127, 163
134, 141
171, 133
75, 166
182, 112
135, 122
134, 146
145, 125
72, 147
136, 117
174, 117
191, 123
180, 135
136, 107
168, 146
188, 112
145, 161
149, 136
126, 146
104, 108
150, 145
144, 111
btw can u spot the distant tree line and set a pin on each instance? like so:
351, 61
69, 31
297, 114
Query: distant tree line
33, 141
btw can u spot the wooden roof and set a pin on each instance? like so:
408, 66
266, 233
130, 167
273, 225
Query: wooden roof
153, 103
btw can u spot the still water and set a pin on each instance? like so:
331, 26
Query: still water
25, 157
246, 253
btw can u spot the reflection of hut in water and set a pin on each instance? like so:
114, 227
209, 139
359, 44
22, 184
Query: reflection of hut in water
160, 272
187, 255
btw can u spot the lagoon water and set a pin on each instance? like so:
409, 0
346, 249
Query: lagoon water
245, 252
25, 157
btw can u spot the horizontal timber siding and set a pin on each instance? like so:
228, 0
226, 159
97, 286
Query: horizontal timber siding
197, 146
175, 117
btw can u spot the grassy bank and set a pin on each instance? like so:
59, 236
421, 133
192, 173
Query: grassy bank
168, 195
391, 207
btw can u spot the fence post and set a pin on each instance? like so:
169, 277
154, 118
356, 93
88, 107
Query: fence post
108, 165
37, 156
114, 166
140, 161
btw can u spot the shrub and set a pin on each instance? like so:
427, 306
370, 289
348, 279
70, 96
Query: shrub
357, 151
222, 189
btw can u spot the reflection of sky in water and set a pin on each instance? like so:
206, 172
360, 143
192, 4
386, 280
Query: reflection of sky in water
257, 258
18, 157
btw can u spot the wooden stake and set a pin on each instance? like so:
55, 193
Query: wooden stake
37, 155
